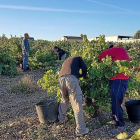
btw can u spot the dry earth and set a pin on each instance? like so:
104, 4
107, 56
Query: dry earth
19, 121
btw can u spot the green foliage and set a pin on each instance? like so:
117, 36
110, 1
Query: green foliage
7, 63
49, 82
97, 84
13, 45
70, 115
89, 110
42, 54
42, 57
137, 35
10, 51
133, 50
134, 86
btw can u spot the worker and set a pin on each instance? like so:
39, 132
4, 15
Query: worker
70, 91
61, 53
118, 86
25, 50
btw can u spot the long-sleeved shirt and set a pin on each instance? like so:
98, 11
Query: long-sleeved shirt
60, 53
72, 65
25, 45
116, 53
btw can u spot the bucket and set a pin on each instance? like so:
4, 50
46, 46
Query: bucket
47, 111
133, 110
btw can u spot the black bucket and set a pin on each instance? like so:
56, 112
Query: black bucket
47, 111
133, 110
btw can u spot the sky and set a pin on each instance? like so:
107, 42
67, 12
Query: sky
52, 19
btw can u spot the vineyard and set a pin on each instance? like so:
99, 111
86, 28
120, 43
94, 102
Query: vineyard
42, 82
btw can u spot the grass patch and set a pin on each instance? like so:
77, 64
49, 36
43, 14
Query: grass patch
24, 86
70, 115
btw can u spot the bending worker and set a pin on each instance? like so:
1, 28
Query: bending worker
70, 91
61, 53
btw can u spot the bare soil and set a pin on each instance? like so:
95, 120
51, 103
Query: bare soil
19, 120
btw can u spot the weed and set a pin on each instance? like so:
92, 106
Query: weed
70, 115
72, 121
92, 127
105, 120
24, 86
89, 110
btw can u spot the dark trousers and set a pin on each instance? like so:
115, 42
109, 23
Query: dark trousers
118, 88
25, 61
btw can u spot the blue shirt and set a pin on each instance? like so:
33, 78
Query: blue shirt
25, 45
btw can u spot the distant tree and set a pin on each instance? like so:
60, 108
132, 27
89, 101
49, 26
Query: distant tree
137, 35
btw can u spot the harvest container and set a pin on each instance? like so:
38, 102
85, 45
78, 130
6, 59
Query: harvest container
47, 111
133, 110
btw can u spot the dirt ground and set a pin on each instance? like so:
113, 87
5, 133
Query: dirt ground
19, 120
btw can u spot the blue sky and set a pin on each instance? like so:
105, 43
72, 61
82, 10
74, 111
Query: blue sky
52, 19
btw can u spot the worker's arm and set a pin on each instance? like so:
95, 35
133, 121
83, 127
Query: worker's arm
59, 55
31, 38
83, 67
